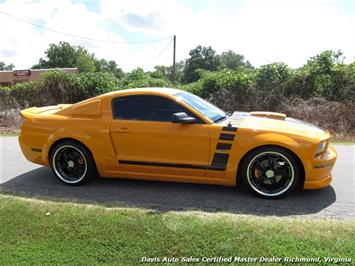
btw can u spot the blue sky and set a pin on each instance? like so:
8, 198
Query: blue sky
138, 33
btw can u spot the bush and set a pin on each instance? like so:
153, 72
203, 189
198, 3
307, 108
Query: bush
321, 92
57, 87
238, 81
338, 118
195, 88
25, 94
138, 79
93, 84
272, 78
5, 101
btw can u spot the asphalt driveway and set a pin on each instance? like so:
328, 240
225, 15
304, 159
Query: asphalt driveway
334, 202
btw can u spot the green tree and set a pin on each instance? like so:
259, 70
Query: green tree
3, 66
138, 79
272, 77
65, 55
168, 71
85, 62
323, 75
93, 84
200, 58
62, 55
232, 61
108, 67
238, 81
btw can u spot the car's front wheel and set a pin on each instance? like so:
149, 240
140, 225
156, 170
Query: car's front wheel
270, 171
72, 163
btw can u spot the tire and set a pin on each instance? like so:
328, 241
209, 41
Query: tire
270, 172
72, 163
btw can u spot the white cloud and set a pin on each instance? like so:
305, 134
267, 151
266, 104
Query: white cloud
136, 15
269, 31
23, 44
263, 31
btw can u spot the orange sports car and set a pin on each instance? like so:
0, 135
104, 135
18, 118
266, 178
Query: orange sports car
172, 135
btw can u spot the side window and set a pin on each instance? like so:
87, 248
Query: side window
147, 108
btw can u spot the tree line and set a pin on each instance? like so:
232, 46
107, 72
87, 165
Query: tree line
204, 73
322, 91
64, 55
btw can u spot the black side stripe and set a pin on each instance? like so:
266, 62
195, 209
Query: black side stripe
226, 136
175, 165
234, 129
219, 162
223, 146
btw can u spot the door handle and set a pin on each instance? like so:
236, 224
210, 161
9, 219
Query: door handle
122, 130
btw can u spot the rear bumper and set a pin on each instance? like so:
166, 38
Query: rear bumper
32, 154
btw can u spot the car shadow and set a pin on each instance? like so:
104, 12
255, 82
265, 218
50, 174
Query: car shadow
166, 196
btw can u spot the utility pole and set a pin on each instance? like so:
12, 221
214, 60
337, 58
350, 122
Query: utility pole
174, 63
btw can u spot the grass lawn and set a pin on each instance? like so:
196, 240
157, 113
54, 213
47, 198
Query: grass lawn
36, 232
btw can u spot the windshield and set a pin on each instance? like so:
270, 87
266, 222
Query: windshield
205, 108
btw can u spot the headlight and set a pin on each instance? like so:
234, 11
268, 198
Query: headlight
321, 147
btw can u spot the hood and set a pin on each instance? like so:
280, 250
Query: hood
275, 122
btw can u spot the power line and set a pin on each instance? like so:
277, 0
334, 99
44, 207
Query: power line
80, 37
159, 53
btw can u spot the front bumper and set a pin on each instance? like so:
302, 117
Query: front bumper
319, 173
318, 183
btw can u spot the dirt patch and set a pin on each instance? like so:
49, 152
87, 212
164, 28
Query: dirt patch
338, 118
10, 121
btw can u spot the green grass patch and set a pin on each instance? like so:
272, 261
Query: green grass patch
9, 134
343, 143
36, 232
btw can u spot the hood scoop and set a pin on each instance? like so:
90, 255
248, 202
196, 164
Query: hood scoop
271, 115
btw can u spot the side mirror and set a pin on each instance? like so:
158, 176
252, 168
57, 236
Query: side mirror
182, 118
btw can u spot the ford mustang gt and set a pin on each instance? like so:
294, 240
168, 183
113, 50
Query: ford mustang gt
171, 135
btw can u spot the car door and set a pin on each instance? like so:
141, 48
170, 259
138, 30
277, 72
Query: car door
146, 140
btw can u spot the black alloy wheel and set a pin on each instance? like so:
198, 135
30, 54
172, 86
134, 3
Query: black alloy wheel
270, 171
72, 163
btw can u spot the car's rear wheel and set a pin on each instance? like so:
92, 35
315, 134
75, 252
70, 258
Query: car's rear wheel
72, 163
270, 171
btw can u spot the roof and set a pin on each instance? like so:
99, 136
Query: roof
153, 90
